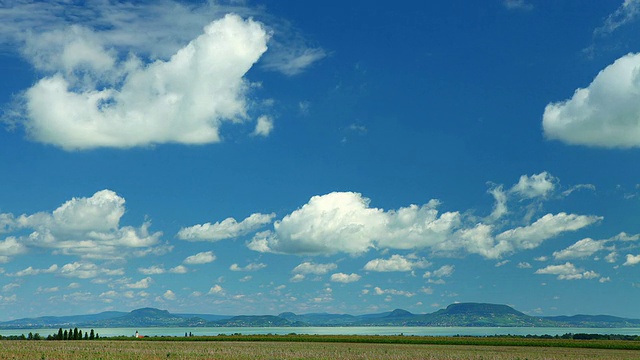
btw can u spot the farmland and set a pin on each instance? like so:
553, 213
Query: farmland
247, 347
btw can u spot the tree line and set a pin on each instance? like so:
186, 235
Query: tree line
71, 334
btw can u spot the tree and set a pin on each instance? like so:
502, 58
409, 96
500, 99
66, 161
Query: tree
65, 336
79, 334
75, 334
60, 334
86, 336
30, 336
92, 335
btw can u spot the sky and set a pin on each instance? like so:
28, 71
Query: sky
257, 157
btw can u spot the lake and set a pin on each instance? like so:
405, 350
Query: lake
372, 330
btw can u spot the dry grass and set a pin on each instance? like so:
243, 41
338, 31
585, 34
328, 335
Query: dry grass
145, 350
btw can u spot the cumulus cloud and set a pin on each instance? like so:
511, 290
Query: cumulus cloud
605, 114
264, 126
297, 278
581, 249
86, 227
343, 222
345, 278
128, 103
395, 263
226, 229
200, 258
567, 271
632, 260
180, 269
538, 185
379, 291
216, 290
169, 295
142, 284
249, 267
87, 270
30, 271
316, 269
152, 270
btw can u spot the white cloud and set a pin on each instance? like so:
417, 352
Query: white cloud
502, 263
86, 227
443, 271
180, 269
500, 208
169, 295
216, 290
86, 270
142, 284
626, 13
249, 267
524, 265
344, 222
605, 114
200, 258
10, 247
226, 229
152, 270
632, 260
297, 278
345, 278
311, 268
567, 271
292, 61
395, 263
264, 126
538, 185
30, 271
581, 249
379, 291
126, 103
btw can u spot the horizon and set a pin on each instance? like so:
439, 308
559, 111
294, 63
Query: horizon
259, 156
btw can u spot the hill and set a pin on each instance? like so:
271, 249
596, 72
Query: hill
462, 314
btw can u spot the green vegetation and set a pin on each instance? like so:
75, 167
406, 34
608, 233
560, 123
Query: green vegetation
241, 350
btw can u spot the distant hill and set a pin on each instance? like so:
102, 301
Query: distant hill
462, 314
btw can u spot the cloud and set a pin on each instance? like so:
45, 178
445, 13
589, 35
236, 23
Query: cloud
142, 284
517, 5
632, 260
152, 270
345, 278
395, 263
297, 278
200, 258
443, 271
626, 13
500, 207
539, 185
93, 98
226, 229
216, 290
169, 295
180, 269
343, 222
87, 270
581, 249
249, 267
605, 114
85, 227
291, 61
30, 271
567, 271
310, 268
379, 291
264, 126
524, 265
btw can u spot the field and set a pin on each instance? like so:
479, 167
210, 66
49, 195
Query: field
246, 349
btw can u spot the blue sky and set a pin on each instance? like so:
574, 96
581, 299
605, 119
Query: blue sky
348, 157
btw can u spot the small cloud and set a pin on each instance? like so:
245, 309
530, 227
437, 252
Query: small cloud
297, 278
502, 263
632, 260
345, 278
517, 5
169, 295
316, 269
264, 126
524, 265
249, 267
142, 284
216, 290
200, 258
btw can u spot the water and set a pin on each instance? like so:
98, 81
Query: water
372, 330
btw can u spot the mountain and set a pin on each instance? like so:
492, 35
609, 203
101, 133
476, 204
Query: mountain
462, 314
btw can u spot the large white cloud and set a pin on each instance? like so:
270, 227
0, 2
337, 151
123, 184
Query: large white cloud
538, 185
581, 249
605, 114
184, 99
86, 227
343, 222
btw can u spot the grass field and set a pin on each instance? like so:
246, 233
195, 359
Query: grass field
165, 349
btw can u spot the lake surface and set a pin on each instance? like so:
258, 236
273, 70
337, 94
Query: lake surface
371, 330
